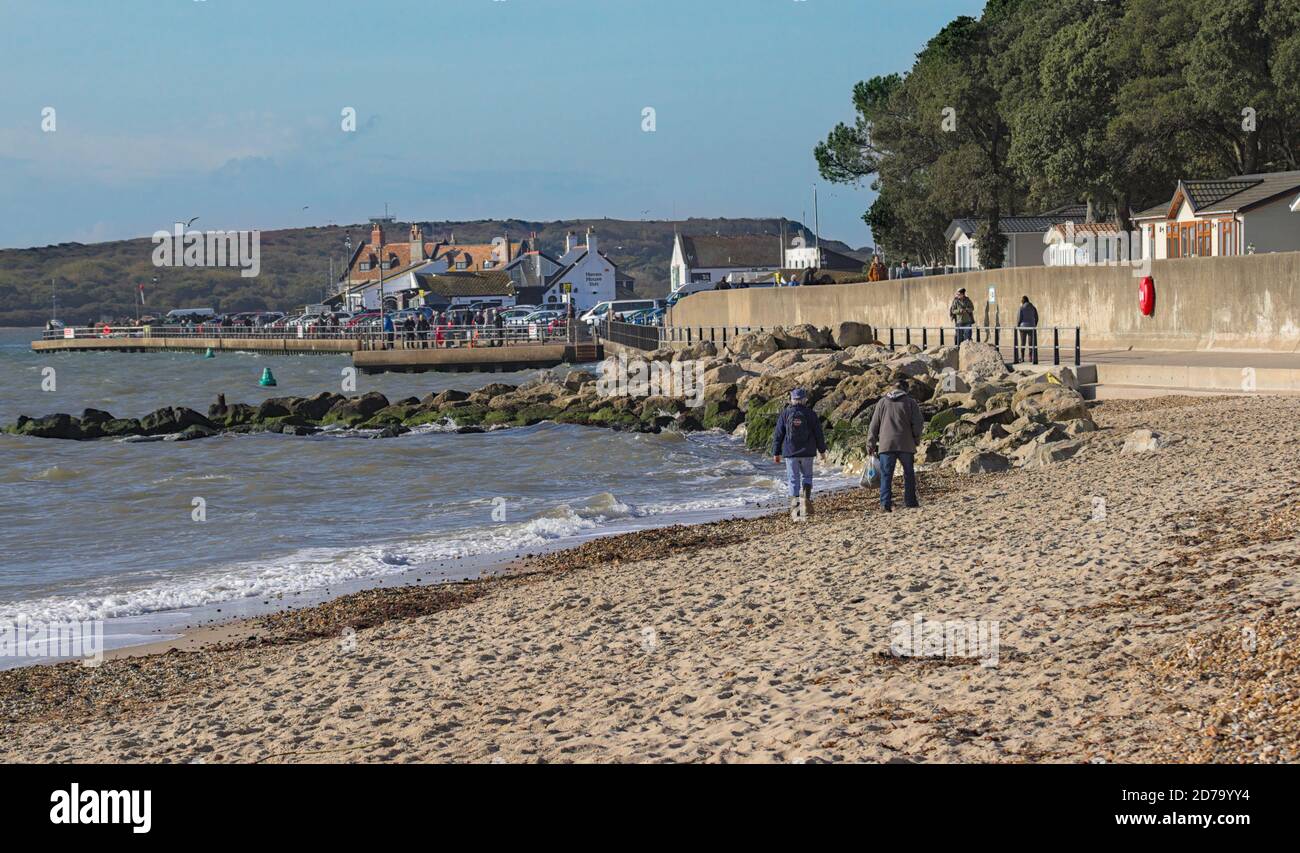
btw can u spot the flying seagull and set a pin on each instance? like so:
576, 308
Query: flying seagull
191, 222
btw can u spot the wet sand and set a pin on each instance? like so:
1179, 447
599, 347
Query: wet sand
1120, 585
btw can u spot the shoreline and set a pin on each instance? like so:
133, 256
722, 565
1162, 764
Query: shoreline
761, 640
339, 610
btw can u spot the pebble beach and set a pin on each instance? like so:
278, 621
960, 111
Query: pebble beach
1144, 604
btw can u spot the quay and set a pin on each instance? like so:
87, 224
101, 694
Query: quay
461, 349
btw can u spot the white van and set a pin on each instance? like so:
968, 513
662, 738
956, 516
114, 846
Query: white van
198, 315
600, 311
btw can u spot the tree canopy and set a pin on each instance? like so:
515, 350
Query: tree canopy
1034, 105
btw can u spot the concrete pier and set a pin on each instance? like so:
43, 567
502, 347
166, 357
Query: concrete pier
477, 359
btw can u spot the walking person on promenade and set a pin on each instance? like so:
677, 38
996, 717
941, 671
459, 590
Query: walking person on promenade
1027, 332
499, 322
388, 331
422, 330
962, 312
798, 438
896, 427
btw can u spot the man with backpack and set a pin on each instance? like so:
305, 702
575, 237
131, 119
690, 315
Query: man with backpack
798, 438
896, 427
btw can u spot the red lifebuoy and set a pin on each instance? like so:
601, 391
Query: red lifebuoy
1147, 296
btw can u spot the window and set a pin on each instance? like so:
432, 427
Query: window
460, 265
1228, 235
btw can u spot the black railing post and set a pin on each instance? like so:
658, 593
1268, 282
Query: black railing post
1056, 345
941, 343
1077, 354
925, 338
891, 338
907, 335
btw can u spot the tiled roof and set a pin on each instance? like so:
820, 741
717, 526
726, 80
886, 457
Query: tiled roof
1010, 224
1204, 193
451, 284
1244, 191
1227, 195
475, 254
400, 250
1087, 227
747, 251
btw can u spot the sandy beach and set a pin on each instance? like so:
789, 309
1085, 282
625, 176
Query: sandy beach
1144, 603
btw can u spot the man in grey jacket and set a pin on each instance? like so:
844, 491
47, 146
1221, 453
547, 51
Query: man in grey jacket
896, 427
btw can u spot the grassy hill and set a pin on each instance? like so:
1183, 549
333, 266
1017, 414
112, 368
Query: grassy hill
98, 281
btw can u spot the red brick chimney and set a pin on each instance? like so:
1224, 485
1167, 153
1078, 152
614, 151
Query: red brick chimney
377, 236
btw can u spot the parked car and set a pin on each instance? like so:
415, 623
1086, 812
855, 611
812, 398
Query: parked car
618, 308
515, 316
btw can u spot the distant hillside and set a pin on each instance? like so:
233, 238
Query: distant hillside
98, 281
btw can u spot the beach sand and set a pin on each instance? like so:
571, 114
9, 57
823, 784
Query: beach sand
1144, 604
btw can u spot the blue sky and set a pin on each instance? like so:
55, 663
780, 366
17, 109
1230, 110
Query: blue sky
230, 110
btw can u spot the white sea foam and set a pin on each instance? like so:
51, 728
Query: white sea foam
320, 568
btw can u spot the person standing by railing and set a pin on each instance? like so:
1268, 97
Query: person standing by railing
962, 312
1026, 332
388, 331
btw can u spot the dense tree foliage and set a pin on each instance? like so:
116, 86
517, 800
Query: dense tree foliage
1037, 104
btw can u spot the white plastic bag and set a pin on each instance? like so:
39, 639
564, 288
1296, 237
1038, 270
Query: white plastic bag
870, 472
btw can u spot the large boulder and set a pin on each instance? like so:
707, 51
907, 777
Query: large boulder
753, 343
725, 373
1053, 402
981, 360
1061, 375
696, 351
946, 357
851, 334
802, 336
354, 410
59, 425
973, 461
1144, 441
172, 419
778, 361
1036, 455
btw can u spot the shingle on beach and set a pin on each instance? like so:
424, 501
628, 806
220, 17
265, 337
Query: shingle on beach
1162, 628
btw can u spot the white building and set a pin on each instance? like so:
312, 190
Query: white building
1090, 243
699, 263
1025, 237
586, 275
1225, 217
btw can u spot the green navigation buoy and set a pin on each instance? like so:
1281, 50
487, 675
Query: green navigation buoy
267, 380
209, 353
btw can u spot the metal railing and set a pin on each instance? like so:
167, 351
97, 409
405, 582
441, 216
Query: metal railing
1024, 344
632, 335
719, 335
368, 337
